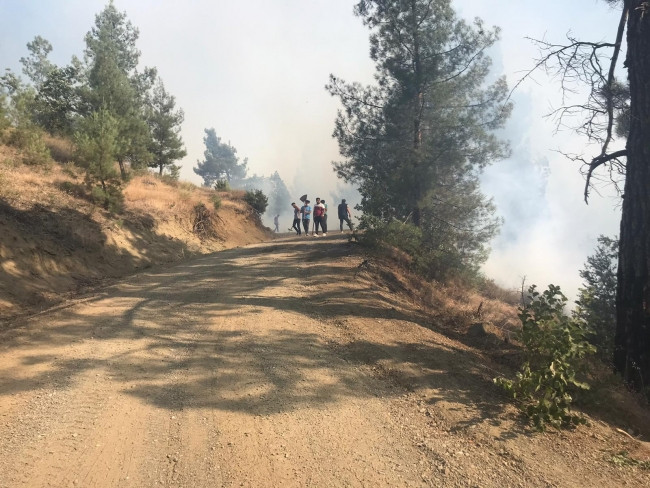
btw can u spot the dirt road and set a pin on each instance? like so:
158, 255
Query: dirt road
270, 365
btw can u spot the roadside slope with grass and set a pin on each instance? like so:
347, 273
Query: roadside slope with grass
56, 242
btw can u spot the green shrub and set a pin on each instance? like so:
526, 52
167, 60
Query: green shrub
554, 345
173, 171
4, 119
30, 142
111, 198
257, 200
76, 190
216, 201
222, 185
434, 260
596, 303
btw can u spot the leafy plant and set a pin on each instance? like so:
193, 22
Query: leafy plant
428, 257
554, 346
222, 185
623, 459
257, 200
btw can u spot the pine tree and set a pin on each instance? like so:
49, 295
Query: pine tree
415, 143
165, 125
221, 161
115, 85
97, 144
37, 66
596, 303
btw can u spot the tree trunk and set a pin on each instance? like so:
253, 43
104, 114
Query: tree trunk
122, 169
418, 103
632, 342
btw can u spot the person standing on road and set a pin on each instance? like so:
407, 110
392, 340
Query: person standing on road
305, 210
344, 214
319, 211
324, 222
276, 222
296, 218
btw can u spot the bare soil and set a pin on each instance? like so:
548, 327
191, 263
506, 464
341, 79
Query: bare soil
289, 363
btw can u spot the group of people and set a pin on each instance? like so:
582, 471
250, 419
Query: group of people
319, 217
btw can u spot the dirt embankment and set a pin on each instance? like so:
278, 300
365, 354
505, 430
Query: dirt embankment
54, 242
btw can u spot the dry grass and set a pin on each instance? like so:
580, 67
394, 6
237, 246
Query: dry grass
61, 149
150, 194
452, 306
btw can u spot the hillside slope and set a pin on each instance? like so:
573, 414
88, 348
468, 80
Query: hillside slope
54, 242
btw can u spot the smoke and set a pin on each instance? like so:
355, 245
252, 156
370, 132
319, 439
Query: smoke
548, 230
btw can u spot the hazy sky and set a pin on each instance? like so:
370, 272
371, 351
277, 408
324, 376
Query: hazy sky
256, 70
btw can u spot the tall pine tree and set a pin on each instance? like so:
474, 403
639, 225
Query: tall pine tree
116, 86
165, 125
416, 142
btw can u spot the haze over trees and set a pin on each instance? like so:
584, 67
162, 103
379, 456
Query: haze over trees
416, 142
220, 161
221, 164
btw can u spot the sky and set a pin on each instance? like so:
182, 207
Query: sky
255, 71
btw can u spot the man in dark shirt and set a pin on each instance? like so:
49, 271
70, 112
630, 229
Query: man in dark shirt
344, 214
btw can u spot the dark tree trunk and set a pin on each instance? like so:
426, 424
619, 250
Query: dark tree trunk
418, 103
632, 342
122, 169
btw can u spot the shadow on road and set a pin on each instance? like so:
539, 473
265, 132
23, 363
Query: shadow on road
187, 337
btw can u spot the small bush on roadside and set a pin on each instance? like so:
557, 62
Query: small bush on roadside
216, 201
596, 303
202, 224
257, 200
554, 346
222, 185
